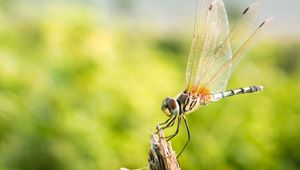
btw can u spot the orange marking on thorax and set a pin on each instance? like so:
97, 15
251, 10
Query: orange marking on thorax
204, 93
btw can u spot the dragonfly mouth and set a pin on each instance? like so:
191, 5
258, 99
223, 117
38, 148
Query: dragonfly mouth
165, 108
166, 112
170, 106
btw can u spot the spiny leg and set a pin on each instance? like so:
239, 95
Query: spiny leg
177, 129
188, 133
170, 123
160, 124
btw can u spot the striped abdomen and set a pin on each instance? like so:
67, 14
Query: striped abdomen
220, 95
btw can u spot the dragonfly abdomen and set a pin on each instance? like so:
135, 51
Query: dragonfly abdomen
249, 89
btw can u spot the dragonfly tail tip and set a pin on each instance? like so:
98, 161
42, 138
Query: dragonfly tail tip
260, 88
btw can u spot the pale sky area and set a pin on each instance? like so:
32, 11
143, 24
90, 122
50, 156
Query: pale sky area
170, 15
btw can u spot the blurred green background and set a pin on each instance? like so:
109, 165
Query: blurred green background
81, 83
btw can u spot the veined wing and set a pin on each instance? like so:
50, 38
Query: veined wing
246, 46
210, 36
244, 28
215, 63
241, 31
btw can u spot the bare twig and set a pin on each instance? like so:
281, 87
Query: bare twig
161, 154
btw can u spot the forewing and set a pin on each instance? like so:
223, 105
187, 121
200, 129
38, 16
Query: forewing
210, 37
201, 20
241, 31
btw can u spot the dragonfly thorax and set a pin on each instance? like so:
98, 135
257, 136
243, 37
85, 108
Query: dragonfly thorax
183, 103
189, 102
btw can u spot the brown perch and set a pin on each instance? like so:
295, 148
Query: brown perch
161, 154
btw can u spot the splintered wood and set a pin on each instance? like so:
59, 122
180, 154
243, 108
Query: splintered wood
161, 154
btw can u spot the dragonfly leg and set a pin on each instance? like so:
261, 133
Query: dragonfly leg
177, 129
188, 133
170, 123
160, 124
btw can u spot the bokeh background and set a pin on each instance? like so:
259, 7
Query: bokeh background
81, 83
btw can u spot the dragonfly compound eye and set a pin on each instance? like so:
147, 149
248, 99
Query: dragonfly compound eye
170, 106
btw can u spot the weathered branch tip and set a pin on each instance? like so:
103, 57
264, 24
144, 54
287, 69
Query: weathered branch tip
161, 154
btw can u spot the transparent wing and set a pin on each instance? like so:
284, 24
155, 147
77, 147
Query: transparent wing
201, 20
241, 31
244, 28
210, 36
216, 52
240, 53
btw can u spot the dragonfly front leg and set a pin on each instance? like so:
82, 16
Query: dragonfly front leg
170, 122
160, 124
177, 129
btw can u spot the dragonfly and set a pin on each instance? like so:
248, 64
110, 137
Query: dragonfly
214, 54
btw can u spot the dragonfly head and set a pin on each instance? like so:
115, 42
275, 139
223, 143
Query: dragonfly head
170, 106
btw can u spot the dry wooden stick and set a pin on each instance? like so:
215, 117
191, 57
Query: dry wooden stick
161, 154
